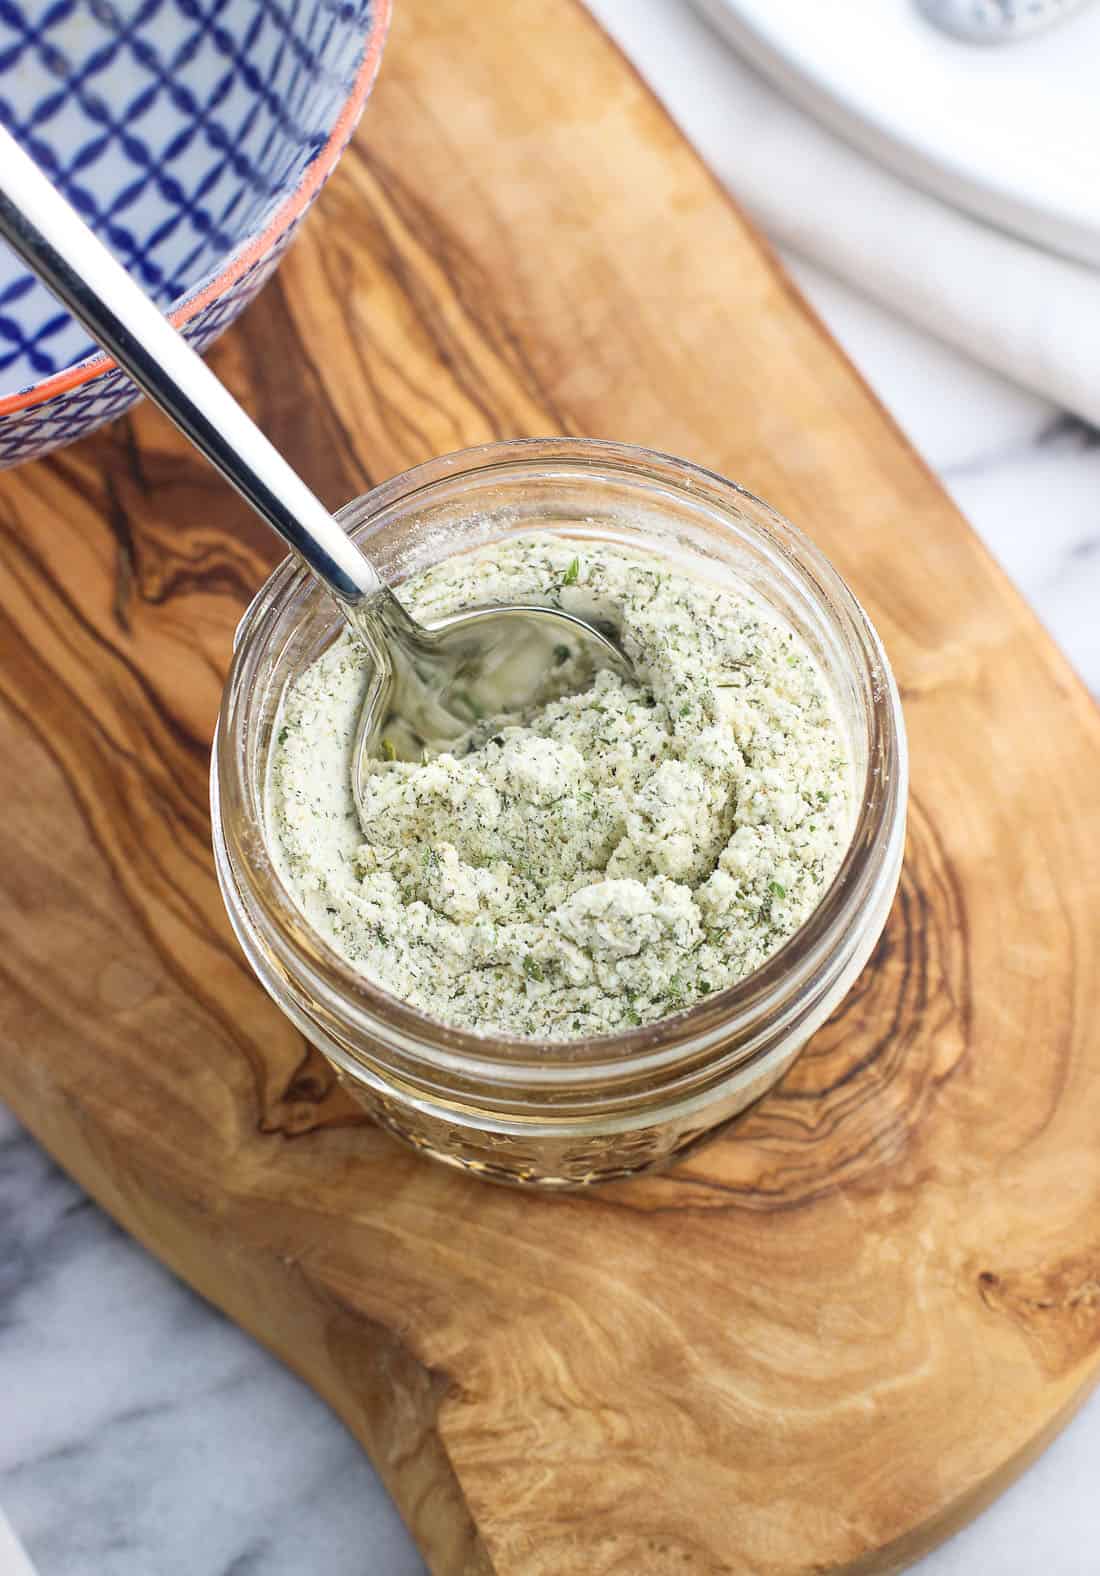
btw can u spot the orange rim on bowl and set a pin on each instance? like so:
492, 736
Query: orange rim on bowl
313, 177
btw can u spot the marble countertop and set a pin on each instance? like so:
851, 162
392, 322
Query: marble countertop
141, 1432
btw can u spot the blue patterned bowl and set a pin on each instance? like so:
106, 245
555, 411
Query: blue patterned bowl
193, 136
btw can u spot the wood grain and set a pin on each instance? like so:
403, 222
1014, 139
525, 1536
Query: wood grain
821, 1342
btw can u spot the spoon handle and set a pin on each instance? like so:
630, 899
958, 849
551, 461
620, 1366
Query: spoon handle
41, 226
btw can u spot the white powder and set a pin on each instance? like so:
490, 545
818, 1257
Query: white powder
623, 853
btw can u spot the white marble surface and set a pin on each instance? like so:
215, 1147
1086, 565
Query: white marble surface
141, 1433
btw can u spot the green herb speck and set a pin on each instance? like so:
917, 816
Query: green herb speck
464, 698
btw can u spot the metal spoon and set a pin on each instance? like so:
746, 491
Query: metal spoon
996, 21
428, 684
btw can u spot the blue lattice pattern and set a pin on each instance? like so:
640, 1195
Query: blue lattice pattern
27, 434
180, 129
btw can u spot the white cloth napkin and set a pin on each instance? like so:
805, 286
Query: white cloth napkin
1026, 313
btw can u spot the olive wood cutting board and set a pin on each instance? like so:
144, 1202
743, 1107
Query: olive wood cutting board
826, 1339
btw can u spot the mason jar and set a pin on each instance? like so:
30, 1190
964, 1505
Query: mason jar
565, 1113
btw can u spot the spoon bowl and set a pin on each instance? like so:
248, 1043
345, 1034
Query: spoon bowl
449, 685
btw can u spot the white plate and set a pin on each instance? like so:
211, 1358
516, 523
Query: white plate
1010, 133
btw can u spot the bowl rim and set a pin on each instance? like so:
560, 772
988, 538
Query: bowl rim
250, 250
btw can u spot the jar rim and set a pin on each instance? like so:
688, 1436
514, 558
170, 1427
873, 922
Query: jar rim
347, 994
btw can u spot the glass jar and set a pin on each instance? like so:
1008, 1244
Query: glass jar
563, 1113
